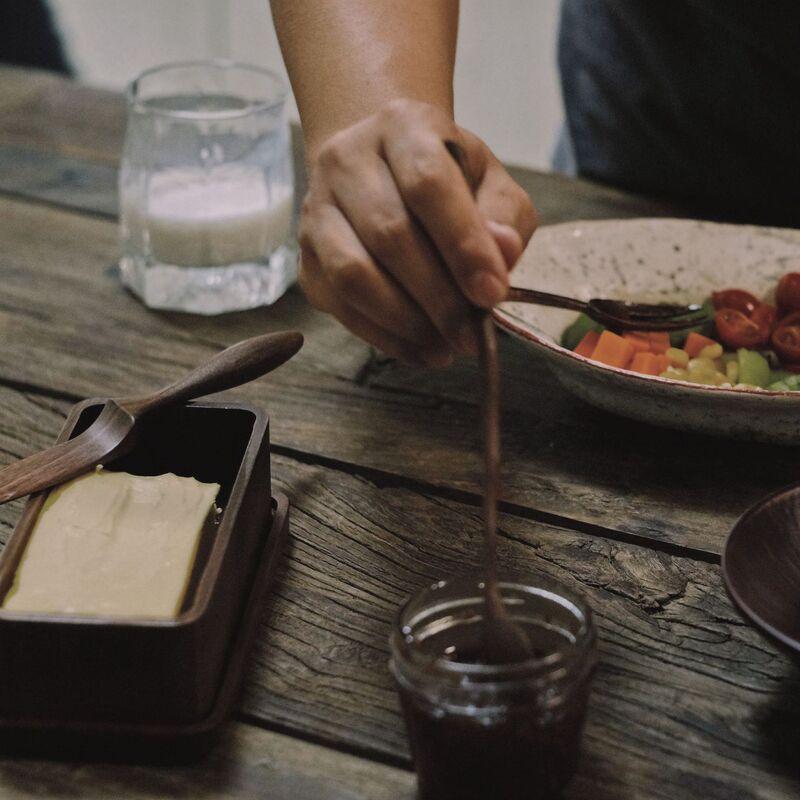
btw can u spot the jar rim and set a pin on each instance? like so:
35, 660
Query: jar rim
253, 106
544, 666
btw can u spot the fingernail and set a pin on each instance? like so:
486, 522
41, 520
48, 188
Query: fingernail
485, 288
467, 343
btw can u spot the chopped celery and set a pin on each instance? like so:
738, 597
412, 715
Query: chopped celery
790, 383
776, 375
572, 335
753, 368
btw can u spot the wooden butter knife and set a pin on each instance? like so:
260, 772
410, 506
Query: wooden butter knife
113, 432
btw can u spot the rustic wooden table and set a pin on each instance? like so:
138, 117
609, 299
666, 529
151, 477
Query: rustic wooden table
382, 467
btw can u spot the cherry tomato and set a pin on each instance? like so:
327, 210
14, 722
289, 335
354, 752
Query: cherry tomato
788, 293
765, 316
735, 298
786, 341
790, 319
736, 330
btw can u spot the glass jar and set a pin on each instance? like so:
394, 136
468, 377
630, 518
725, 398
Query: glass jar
206, 188
478, 730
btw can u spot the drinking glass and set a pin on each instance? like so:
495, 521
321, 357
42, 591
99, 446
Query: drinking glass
206, 188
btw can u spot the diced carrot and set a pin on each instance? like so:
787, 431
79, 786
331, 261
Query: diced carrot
659, 342
645, 363
649, 363
588, 343
662, 363
639, 340
648, 341
695, 342
613, 350
641, 363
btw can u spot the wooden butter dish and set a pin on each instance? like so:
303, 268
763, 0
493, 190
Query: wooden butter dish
161, 742
71, 670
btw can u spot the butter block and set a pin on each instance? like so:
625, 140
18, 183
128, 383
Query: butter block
113, 544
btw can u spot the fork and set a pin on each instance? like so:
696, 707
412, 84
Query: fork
619, 314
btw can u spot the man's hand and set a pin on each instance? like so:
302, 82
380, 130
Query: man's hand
397, 244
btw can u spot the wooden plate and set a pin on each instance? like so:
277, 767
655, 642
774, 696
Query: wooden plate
761, 567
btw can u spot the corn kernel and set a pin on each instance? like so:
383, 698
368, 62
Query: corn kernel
704, 364
675, 374
711, 351
678, 358
701, 376
732, 371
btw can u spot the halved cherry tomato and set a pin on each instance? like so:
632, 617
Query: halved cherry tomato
735, 298
765, 316
736, 330
786, 341
787, 295
793, 318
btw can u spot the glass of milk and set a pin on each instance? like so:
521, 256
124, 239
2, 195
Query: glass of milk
206, 188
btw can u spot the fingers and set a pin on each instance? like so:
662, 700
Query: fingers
370, 200
355, 291
508, 240
436, 193
398, 240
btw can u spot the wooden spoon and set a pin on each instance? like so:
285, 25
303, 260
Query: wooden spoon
505, 642
113, 432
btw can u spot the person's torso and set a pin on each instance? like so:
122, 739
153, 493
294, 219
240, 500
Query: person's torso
693, 100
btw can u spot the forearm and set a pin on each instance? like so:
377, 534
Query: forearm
348, 58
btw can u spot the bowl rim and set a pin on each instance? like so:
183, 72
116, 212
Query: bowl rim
509, 322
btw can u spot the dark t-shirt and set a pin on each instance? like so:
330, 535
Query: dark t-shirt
697, 101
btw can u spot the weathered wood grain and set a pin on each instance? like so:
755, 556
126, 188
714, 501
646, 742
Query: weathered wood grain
559, 198
684, 688
67, 326
247, 764
689, 702
86, 185
55, 125
45, 111
58, 179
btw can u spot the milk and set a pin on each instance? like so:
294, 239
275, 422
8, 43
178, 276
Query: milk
213, 217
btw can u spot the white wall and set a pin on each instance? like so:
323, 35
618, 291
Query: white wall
506, 81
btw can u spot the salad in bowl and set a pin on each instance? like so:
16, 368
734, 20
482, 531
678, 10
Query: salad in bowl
734, 375
743, 343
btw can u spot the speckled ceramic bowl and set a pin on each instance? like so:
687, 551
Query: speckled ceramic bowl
655, 260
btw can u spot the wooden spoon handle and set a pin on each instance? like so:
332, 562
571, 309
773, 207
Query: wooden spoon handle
487, 343
519, 295
238, 364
